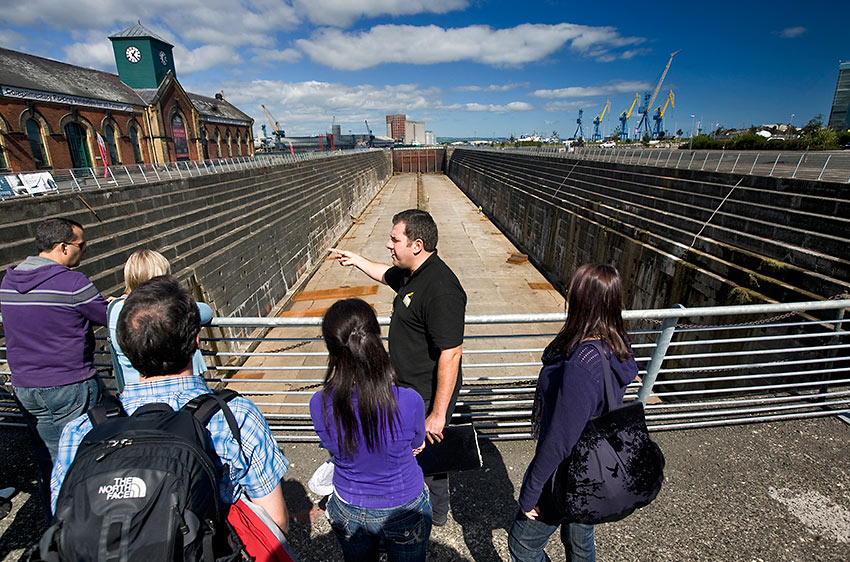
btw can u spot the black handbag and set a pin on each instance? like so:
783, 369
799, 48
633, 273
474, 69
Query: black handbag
614, 468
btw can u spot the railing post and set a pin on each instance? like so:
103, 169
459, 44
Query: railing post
142, 170
112, 175
97, 183
129, 176
707, 154
719, 161
828, 156
668, 328
669, 155
155, 171
735, 164
770, 175
797, 167
679, 161
693, 155
753, 167
73, 177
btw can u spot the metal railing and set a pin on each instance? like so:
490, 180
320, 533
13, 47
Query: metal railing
744, 364
81, 179
818, 166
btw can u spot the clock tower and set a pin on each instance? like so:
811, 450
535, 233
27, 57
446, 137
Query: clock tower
142, 57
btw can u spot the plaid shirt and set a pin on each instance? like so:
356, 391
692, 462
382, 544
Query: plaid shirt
267, 464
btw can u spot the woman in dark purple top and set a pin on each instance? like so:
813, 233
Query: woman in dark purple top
373, 429
570, 392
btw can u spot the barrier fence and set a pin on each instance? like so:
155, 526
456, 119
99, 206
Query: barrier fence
818, 166
82, 179
725, 365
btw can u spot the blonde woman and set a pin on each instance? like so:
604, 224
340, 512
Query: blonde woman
141, 266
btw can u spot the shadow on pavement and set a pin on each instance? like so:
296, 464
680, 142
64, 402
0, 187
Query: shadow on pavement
482, 501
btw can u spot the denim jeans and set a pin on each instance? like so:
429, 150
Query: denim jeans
528, 537
403, 530
47, 411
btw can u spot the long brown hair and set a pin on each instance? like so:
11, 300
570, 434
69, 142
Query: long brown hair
594, 309
357, 360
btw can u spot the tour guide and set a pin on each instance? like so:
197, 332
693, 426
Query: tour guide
426, 329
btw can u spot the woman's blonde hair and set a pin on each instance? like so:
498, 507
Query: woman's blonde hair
143, 265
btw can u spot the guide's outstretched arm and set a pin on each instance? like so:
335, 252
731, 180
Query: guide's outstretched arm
373, 269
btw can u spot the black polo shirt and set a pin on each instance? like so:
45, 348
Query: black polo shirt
428, 313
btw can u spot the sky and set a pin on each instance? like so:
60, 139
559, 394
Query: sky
470, 68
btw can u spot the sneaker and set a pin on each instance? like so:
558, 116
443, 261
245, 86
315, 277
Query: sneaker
439, 519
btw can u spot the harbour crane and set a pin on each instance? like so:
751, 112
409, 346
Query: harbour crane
659, 115
596, 122
371, 136
579, 134
277, 132
624, 119
649, 99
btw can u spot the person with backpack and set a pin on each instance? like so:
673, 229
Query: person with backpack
138, 495
570, 392
373, 428
141, 266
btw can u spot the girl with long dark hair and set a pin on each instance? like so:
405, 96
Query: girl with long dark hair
373, 429
571, 392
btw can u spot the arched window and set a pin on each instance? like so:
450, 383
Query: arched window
4, 162
239, 143
227, 140
39, 154
111, 145
78, 145
205, 144
178, 133
137, 148
217, 144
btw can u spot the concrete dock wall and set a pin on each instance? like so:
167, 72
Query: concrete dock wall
242, 239
771, 239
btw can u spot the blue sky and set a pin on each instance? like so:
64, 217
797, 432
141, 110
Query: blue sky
466, 67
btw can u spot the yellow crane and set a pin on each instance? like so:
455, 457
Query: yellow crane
658, 130
596, 122
624, 119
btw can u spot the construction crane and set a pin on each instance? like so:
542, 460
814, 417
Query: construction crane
277, 133
649, 99
371, 136
624, 119
659, 115
579, 134
598, 121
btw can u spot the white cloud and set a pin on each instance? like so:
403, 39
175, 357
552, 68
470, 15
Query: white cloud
431, 44
12, 39
792, 32
273, 55
95, 53
564, 105
493, 108
342, 13
610, 89
493, 87
204, 57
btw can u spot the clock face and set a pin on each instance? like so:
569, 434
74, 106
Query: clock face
133, 54
163, 58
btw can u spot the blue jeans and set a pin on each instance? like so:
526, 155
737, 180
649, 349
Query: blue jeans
528, 537
403, 530
47, 411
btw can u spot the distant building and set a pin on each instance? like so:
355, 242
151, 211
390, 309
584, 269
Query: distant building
839, 116
430, 138
414, 132
395, 127
52, 113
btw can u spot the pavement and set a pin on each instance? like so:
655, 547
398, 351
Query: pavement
759, 492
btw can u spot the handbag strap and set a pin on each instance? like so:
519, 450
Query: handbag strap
610, 398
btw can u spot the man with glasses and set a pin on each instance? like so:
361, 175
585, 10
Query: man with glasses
48, 311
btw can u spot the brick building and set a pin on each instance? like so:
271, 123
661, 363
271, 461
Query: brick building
395, 127
51, 113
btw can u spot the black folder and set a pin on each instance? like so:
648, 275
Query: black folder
457, 451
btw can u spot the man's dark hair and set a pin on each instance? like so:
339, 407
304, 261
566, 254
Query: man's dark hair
158, 327
418, 225
54, 231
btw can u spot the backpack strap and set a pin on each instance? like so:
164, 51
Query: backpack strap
205, 406
110, 407
610, 397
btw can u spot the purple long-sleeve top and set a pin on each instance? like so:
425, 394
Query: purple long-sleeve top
48, 313
387, 477
573, 394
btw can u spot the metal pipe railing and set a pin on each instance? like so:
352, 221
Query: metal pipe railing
694, 376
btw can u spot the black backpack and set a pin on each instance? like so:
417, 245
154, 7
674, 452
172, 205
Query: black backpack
145, 487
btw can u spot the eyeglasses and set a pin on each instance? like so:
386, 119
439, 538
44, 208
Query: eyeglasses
80, 245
